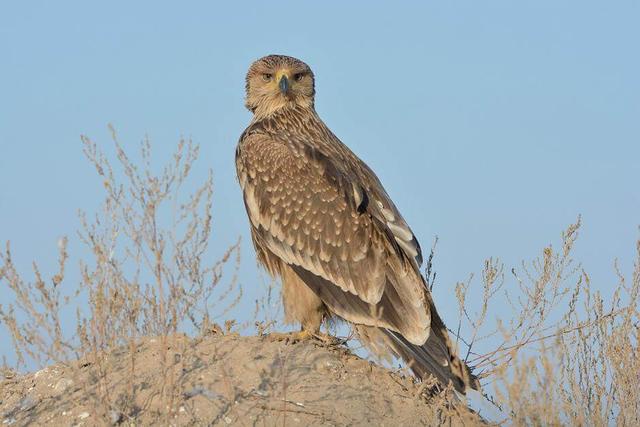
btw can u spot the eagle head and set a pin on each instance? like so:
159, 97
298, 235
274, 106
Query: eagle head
277, 81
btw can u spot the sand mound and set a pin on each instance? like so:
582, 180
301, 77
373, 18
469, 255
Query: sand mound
221, 380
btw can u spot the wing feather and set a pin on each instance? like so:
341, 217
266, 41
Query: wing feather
357, 254
319, 213
288, 199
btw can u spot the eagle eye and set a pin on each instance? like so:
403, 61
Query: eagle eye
267, 77
298, 76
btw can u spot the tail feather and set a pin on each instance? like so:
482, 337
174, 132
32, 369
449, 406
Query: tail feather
436, 357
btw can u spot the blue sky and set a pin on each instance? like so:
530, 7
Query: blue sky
492, 124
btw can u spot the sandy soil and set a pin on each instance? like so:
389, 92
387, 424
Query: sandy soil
220, 380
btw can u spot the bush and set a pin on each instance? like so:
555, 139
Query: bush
561, 354
148, 276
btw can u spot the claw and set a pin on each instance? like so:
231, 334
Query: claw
329, 340
305, 335
290, 337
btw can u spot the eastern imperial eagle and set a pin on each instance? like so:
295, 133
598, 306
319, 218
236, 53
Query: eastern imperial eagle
322, 221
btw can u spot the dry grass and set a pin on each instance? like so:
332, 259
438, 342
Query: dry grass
560, 353
148, 276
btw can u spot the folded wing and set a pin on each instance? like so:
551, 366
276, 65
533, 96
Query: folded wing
340, 234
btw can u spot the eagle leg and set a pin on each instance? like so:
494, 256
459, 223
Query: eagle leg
301, 304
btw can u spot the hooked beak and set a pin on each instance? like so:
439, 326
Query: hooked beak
284, 85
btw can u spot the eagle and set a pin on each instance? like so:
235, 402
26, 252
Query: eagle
323, 223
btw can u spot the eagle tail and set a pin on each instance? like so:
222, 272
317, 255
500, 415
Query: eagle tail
436, 357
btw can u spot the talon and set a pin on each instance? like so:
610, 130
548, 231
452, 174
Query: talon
329, 339
290, 337
305, 335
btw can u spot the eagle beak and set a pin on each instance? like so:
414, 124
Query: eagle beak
284, 85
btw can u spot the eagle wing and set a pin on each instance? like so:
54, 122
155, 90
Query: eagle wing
337, 229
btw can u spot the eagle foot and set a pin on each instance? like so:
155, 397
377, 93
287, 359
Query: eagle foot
305, 335
329, 340
290, 337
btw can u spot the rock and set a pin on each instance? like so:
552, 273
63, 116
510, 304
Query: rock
115, 417
62, 384
27, 403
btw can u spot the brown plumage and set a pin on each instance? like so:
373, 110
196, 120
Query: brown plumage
322, 221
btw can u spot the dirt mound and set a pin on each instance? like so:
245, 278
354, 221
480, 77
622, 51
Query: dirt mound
222, 380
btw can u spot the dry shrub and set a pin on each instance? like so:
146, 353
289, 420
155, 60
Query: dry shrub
560, 354
548, 348
148, 275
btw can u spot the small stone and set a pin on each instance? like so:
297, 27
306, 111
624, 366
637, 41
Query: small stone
200, 391
83, 415
333, 365
62, 384
7, 374
115, 417
27, 403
